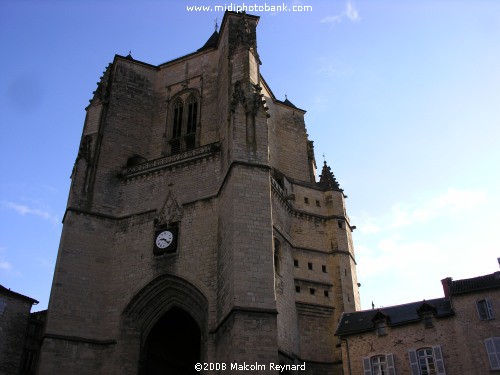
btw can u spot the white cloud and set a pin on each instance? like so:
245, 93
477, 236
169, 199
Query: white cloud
403, 254
24, 210
349, 12
332, 19
4, 265
447, 204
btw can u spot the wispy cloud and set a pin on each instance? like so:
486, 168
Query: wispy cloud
448, 203
402, 255
4, 265
350, 12
26, 210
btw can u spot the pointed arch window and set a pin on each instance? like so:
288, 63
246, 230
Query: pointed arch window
183, 122
177, 123
192, 114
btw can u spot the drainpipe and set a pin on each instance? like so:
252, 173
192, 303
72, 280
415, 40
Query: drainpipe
348, 356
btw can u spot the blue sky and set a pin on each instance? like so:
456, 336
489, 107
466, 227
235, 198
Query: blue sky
402, 97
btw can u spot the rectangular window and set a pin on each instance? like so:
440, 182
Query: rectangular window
379, 365
306, 200
381, 328
428, 323
312, 291
297, 288
310, 265
485, 309
323, 268
427, 361
317, 203
493, 351
326, 293
296, 263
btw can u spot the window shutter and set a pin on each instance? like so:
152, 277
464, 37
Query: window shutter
412, 354
478, 308
489, 306
482, 310
438, 356
492, 353
390, 364
367, 366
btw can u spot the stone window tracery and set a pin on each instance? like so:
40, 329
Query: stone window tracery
183, 122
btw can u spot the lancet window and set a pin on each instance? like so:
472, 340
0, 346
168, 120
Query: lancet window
183, 123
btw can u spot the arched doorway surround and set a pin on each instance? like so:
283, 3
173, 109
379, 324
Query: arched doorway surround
164, 303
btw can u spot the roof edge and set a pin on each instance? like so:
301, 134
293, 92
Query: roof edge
277, 101
17, 295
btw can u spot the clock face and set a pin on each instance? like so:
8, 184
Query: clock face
164, 239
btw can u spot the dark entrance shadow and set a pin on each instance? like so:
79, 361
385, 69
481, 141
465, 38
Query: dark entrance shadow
173, 345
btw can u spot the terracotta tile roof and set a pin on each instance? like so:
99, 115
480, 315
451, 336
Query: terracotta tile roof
475, 284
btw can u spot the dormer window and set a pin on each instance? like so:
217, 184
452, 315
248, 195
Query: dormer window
381, 327
380, 321
427, 318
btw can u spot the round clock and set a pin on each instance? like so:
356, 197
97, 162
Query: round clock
164, 239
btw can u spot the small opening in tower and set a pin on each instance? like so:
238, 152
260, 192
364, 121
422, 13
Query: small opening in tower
297, 288
339, 223
310, 265
323, 268
277, 256
306, 200
312, 290
296, 263
317, 203
326, 293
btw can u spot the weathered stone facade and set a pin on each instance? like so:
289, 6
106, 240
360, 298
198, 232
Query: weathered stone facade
264, 263
14, 318
457, 334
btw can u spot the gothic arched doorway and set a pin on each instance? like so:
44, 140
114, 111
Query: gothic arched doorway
173, 345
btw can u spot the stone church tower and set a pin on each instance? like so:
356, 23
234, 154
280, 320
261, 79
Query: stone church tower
195, 229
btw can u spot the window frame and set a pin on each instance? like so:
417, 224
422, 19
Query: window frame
388, 362
484, 309
183, 121
492, 346
437, 357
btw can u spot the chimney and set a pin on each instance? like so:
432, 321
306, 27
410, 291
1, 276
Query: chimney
447, 286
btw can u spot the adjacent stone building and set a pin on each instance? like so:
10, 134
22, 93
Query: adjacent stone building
456, 334
196, 230
14, 318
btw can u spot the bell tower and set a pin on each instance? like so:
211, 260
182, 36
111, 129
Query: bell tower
194, 207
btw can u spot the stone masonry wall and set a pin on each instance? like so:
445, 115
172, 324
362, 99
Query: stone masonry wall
400, 339
13, 322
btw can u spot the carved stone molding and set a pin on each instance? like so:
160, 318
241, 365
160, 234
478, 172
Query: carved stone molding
170, 212
172, 160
